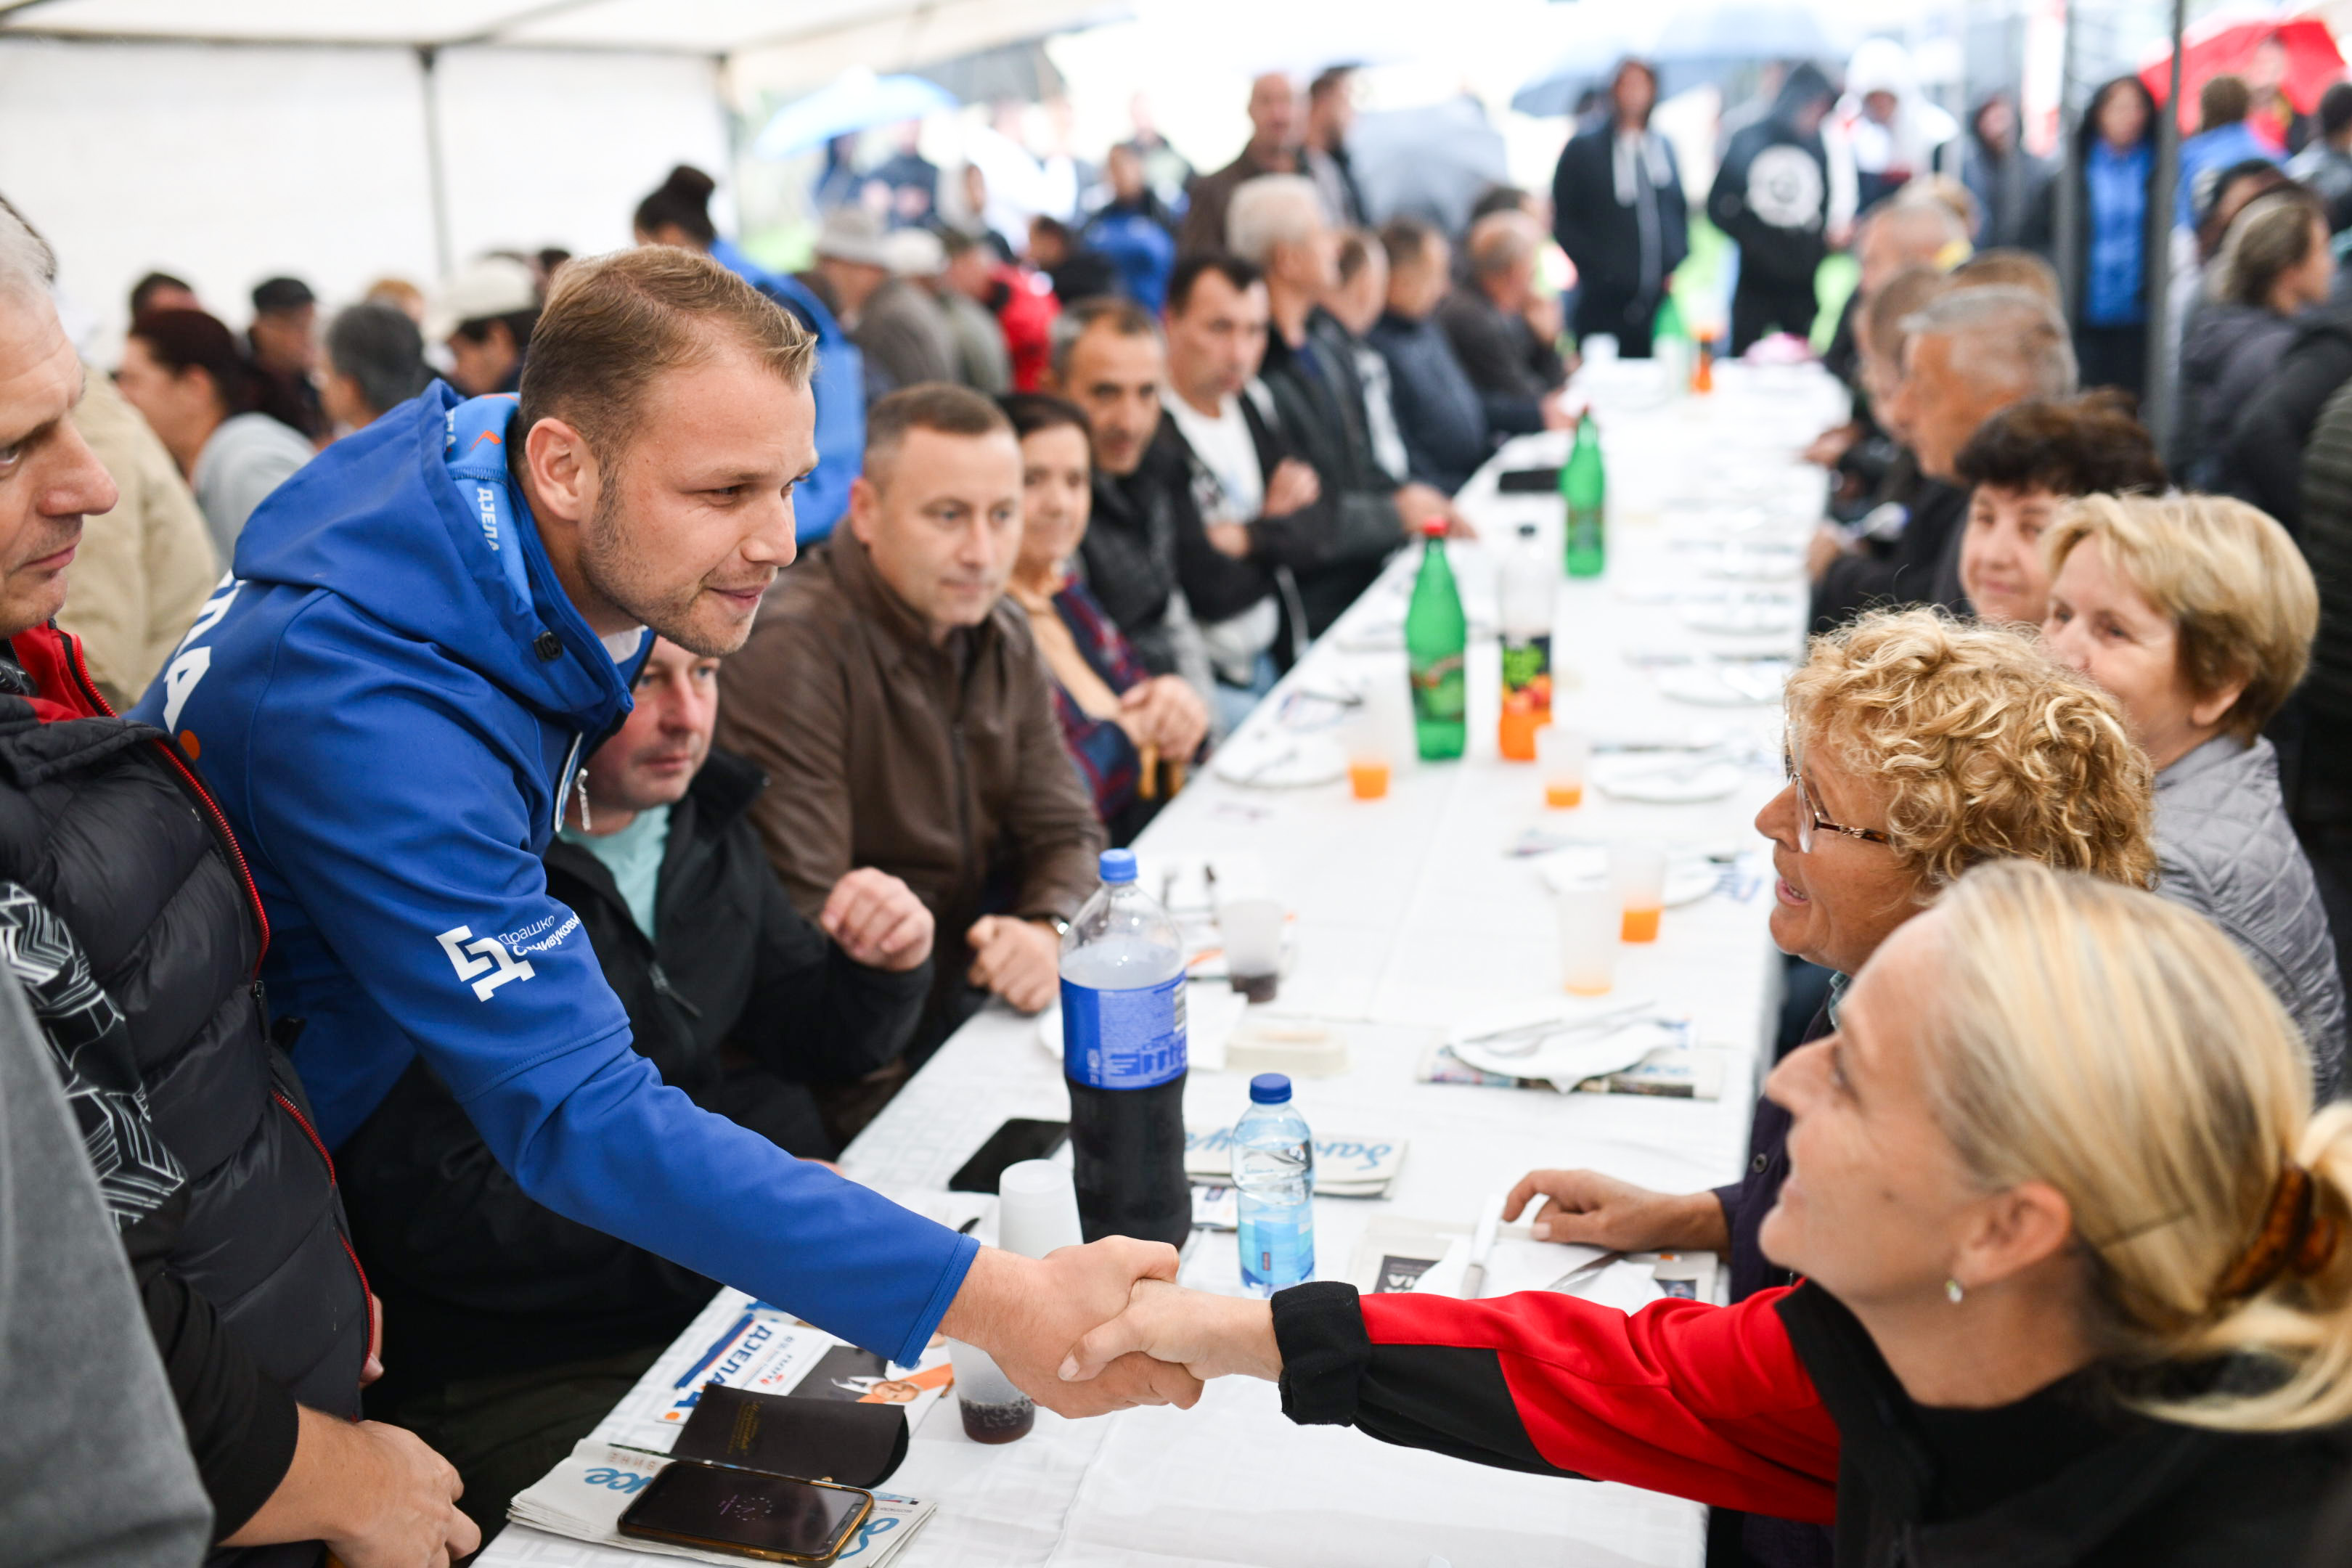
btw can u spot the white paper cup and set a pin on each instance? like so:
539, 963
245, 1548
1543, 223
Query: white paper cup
1037, 1209
1251, 931
1588, 921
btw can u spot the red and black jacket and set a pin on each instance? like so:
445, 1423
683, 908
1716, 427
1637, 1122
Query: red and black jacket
1782, 1405
254, 1297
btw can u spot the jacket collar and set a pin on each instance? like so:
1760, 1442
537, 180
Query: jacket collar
875, 602
2216, 756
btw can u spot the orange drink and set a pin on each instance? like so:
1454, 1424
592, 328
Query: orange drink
1638, 871
1515, 735
1368, 777
1563, 754
1639, 925
1563, 794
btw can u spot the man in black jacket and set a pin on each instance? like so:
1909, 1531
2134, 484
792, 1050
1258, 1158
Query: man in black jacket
512, 1328
1488, 320
2262, 459
1439, 413
123, 868
1771, 197
1618, 210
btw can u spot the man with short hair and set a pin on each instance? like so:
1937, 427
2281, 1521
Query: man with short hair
2325, 164
484, 315
431, 625
375, 363
896, 325
1519, 374
2223, 139
1272, 149
162, 291
284, 338
1439, 413
1330, 115
510, 1330
1618, 210
1279, 226
894, 695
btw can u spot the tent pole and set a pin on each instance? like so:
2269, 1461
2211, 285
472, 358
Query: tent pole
2069, 194
2156, 405
437, 178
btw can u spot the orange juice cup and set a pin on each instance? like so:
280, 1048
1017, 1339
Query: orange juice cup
1563, 755
1638, 871
1368, 777
1587, 939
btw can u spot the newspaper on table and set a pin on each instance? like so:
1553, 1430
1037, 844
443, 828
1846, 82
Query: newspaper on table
583, 1498
739, 1342
1346, 1165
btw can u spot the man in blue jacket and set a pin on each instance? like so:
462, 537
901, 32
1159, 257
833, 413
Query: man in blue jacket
423, 638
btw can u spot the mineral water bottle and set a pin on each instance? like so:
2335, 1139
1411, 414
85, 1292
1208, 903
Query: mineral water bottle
1274, 1175
1436, 638
1123, 1060
1584, 488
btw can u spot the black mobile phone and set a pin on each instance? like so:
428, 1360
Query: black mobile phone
748, 1513
1527, 481
1021, 1138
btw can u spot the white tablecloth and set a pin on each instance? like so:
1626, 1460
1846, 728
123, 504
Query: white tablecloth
1410, 914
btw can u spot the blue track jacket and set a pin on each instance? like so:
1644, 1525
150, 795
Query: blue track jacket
821, 500
388, 697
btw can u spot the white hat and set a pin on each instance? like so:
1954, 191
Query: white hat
494, 286
852, 234
915, 253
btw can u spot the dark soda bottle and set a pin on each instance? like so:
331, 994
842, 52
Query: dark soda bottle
1124, 1059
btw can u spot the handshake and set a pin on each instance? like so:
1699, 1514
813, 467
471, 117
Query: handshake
1093, 1329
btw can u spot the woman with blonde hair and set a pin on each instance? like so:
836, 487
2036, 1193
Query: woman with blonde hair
2077, 1290
2197, 613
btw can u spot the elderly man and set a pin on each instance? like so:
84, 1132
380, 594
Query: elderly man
1490, 321
1277, 225
510, 1330
1971, 353
1438, 414
466, 588
895, 696
1894, 238
1272, 149
867, 283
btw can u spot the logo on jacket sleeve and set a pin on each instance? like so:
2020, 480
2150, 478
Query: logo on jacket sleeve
484, 956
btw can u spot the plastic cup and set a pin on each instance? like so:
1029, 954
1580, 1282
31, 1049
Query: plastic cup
1036, 1208
1368, 777
1251, 931
1588, 918
994, 1410
1563, 755
1638, 871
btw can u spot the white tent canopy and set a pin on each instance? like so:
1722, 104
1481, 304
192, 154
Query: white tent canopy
339, 140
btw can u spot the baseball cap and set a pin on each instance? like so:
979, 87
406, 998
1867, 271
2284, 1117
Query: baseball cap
853, 233
494, 286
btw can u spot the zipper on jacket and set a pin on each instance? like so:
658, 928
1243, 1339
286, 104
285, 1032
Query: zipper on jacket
664, 988
213, 813
571, 773
366, 1294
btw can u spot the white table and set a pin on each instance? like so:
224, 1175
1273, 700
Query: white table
1408, 912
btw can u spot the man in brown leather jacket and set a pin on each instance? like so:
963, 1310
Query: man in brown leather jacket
905, 719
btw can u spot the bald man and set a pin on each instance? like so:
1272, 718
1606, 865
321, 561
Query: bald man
1277, 127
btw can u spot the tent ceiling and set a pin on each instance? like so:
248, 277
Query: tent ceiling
693, 27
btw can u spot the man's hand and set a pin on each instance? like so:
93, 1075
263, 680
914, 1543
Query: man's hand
1166, 713
1018, 960
1293, 484
1026, 1313
1833, 444
1828, 543
1229, 539
1416, 503
375, 1494
1601, 1210
1209, 1336
877, 921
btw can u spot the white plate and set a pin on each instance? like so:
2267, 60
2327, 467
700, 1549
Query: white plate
1690, 874
1723, 685
1280, 761
1744, 617
1571, 1059
1658, 782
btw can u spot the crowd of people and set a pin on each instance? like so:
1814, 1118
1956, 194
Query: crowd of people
654, 700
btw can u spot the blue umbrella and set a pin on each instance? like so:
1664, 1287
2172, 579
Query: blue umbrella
1431, 162
1585, 64
857, 101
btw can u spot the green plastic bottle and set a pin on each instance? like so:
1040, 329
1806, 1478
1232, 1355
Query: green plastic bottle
1436, 635
1584, 488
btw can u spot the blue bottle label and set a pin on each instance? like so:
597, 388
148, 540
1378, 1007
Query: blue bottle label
1123, 1039
1277, 1249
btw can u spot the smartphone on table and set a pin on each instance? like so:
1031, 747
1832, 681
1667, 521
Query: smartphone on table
750, 1513
1020, 1138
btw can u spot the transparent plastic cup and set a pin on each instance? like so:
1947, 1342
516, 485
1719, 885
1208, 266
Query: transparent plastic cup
1638, 871
1563, 755
1251, 932
1588, 921
1037, 1209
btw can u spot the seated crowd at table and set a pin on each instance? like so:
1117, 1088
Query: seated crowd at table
604, 776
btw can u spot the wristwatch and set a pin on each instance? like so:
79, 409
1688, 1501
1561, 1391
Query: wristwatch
1061, 927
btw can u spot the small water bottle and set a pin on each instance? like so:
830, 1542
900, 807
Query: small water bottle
1274, 1177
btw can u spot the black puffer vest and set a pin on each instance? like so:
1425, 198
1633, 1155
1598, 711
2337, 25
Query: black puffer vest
102, 823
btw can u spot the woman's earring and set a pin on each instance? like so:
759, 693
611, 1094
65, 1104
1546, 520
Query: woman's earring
1952, 1291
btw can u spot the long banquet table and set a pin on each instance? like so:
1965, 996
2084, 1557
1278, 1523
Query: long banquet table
1410, 914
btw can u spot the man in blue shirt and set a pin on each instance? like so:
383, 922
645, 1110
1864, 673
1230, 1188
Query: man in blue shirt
392, 696
2223, 138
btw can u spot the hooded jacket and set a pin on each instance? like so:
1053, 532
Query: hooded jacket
390, 699
839, 386
1771, 194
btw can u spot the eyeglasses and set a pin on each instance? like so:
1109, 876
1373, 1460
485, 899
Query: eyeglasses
1810, 819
